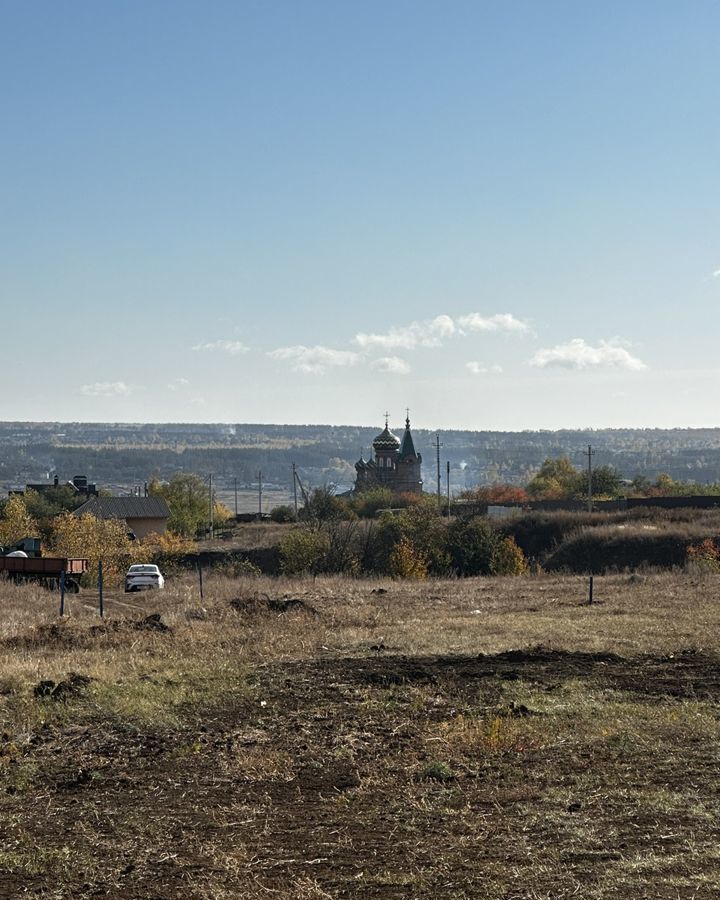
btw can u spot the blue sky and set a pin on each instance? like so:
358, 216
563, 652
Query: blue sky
502, 215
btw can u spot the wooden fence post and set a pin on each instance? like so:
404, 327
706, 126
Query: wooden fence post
101, 602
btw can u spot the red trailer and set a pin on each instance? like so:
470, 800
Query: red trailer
44, 569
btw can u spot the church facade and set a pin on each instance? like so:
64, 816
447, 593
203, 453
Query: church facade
394, 464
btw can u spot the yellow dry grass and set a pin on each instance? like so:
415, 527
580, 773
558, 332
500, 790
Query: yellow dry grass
659, 614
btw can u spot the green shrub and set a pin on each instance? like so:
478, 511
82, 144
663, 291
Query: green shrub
243, 567
472, 545
368, 503
420, 524
282, 514
322, 506
302, 551
508, 558
438, 771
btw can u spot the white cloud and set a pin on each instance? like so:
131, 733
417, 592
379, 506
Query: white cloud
425, 333
577, 354
232, 348
392, 364
178, 384
716, 273
433, 332
315, 360
429, 333
106, 389
499, 322
479, 369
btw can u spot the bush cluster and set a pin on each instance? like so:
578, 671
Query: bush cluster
411, 543
416, 542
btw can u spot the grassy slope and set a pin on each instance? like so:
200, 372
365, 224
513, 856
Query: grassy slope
366, 744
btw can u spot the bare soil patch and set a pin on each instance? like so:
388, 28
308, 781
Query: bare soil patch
322, 784
270, 751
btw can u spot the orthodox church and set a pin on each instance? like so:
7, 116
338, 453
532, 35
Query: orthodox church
396, 464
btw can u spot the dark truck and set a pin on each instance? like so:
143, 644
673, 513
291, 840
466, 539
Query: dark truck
44, 569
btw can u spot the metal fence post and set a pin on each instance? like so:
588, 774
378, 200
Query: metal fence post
62, 593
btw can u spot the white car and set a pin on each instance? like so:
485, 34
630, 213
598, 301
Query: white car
143, 577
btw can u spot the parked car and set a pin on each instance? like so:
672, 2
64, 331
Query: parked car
143, 577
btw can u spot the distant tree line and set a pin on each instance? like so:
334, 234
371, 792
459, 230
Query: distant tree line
131, 454
559, 479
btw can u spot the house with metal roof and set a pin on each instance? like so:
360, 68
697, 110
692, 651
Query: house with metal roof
395, 464
142, 515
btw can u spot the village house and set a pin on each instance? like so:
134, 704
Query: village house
142, 515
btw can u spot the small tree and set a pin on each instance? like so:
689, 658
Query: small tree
221, 514
53, 501
508, 558
16, 523
557, 479
96, 539
406, 561
606, 482
187, 497
345, 546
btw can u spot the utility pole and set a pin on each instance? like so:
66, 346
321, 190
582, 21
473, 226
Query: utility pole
236, 510
211, 516
448, 488
295, 489
590, 454
438, 445
259, 495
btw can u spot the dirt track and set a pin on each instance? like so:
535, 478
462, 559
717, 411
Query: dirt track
320, 780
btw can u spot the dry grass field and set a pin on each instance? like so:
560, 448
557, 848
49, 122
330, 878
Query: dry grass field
248, 536
487, 738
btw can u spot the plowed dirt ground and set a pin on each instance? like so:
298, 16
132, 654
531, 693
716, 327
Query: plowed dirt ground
378, 773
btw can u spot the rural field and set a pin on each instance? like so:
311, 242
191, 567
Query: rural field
489, 737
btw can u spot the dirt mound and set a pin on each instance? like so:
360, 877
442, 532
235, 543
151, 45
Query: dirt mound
405, 672
153, 622
72, 686
70, 635
264, 604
